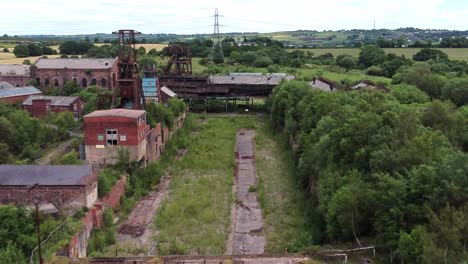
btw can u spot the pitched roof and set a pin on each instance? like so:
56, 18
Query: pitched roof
19, 91
81, 63
323, 84
54, 100
28, 175
117, 113
14, 70
168, 91
249, 79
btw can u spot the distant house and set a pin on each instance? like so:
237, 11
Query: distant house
82, 71
368, 85
40, 105
323, 84
11, 95
15, 74
61, 185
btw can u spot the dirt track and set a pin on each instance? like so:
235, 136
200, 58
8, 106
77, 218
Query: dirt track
137, 229
247, 236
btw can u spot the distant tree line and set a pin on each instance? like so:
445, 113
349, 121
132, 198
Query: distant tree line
32, 49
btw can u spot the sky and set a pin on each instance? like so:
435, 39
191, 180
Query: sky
65, 17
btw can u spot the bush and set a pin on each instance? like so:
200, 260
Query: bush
262, 62
108, 217
375, 71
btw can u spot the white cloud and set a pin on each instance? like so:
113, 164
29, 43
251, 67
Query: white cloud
157, 16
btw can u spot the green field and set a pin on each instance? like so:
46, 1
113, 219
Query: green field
454, 54
197, 212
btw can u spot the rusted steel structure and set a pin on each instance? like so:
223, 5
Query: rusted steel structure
231, 86
178, 77
179, 59
128, 88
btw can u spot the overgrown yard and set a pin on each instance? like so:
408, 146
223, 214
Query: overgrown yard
197, 213
287, 220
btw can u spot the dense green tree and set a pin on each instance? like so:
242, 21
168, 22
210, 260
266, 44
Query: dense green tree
263, 62
407, 94
17, 227
456, 90
371, 55
21, 51
75, 48
34, 49
12, 254
248, 57
430, 54
420, 75
346, 61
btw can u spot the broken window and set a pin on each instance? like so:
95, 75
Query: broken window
84, 83
46, 82
93, 81
56, 83
111, 137
103, 82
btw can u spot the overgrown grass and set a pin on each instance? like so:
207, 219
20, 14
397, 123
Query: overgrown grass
288, 221
197, 214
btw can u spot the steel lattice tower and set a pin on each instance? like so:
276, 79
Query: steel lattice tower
216, 36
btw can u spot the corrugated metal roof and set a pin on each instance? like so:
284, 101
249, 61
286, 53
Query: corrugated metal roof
168, 91
81, 63
54, 100
19, 91
14, 70
117, 112
19, 175
249, 79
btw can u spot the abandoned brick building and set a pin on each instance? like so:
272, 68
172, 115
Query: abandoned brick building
106, 131
82, 71
15, 74
12, 95
40, 105
71, 186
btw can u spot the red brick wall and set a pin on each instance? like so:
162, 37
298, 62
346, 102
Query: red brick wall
57, 195
79, 242
38, 109
69, 74
112, 200
15, 99
97, 125
16, 81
